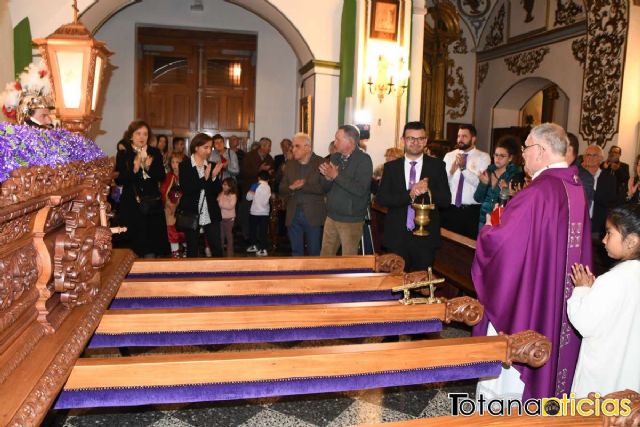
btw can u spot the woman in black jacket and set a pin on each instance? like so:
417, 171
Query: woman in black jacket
201, 184
140, 171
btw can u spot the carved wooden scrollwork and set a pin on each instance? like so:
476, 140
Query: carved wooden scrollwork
30, 182
18, 274
15, 229
389, 263
37, 404
631, 420
83, 249
464, 309
529, 348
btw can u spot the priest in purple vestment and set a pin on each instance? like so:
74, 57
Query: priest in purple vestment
521, 267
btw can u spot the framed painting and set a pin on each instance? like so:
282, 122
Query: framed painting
385, 16
306, 116
527, 17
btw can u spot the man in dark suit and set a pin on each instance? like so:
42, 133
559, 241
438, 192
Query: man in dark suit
407, 179
620, 170
604, 196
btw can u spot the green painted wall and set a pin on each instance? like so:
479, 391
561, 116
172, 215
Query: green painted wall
347, 55
22, 46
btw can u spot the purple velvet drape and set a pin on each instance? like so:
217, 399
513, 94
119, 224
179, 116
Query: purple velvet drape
136, 396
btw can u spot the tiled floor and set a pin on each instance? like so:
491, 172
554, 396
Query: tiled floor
330, 410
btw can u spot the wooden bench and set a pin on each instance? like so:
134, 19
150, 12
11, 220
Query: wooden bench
454, 259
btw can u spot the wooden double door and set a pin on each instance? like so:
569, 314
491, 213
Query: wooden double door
192, 81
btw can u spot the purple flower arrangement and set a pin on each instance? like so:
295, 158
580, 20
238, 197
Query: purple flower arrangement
22, 145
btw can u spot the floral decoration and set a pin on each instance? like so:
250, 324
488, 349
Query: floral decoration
34, 80
22, 145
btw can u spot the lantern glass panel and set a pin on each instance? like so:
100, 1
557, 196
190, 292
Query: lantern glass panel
70, 66
96, 83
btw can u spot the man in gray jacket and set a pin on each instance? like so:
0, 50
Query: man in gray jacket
301, 186
347, 181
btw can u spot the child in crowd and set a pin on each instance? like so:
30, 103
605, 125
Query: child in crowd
227, 201
606, 311
259, 219
171, 193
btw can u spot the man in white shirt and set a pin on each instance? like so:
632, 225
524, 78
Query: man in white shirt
464, 165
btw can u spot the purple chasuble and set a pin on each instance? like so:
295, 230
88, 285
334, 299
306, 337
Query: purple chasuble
521, 272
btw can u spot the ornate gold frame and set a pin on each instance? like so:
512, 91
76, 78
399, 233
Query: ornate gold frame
306, 117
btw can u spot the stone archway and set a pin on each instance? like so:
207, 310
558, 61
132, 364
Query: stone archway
506, 111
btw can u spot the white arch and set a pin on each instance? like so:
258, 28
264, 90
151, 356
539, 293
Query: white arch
506, 110
99, 12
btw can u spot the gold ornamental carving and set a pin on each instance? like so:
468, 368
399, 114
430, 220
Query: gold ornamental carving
457, 94
607, 26
526, 62
567, 12
483, 72
495, 37
579, 49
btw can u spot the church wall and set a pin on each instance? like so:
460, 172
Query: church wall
460, 99
554, 62
6, 48
276, 79
629, 131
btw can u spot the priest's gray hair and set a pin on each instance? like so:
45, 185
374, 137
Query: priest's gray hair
554, 135
306, 140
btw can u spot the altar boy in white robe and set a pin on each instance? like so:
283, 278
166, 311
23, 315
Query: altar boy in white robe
606, 311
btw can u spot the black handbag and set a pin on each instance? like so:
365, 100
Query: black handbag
187, 221
150, 205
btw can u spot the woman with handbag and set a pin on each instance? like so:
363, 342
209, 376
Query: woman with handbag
201, 183
140, 172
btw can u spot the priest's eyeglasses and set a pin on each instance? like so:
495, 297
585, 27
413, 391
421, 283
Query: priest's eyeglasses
526, 147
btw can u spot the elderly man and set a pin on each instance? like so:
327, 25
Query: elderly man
347, 182
230, 166
604, 186
521, 267
301, 185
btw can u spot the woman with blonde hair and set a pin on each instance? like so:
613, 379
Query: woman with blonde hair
390, 154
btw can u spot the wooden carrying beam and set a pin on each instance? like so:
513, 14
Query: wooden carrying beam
374, 263
257, 285
333, 361
462, 309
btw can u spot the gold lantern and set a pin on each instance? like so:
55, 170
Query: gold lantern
77, 63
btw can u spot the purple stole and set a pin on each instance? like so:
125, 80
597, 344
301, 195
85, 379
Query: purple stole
569, 345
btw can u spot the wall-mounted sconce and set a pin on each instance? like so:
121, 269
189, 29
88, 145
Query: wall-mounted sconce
387, 82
